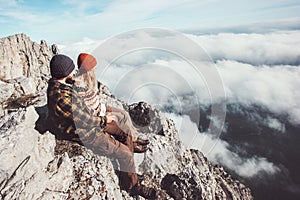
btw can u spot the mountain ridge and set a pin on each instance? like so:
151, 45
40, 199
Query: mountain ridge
35, 165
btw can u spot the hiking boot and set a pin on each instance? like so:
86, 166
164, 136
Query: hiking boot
144, 191
140, 177
139, 148
142, 141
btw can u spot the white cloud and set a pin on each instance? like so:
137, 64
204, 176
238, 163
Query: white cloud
281, 47
218, 151
24, 16
73, 19
275, 124
86, 45
18, 13
275, 87
7, 4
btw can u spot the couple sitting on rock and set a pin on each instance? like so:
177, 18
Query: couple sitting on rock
77, 115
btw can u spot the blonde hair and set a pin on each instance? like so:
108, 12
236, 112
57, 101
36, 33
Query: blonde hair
90, 80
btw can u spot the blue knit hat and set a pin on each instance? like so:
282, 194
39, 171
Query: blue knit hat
61, 66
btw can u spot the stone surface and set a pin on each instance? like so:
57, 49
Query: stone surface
146, 118
34, 165
6, 90
20, 57
26, 158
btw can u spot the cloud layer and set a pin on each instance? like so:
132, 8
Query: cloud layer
237, 58
218, 151
254, 69
275, 48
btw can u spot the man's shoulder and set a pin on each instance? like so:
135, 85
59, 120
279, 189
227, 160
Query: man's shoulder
58, 89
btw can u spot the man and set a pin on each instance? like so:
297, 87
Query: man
75, 122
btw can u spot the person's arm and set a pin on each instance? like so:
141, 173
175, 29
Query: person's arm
83, 116
73, 108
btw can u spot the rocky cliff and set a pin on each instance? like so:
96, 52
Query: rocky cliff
34, 165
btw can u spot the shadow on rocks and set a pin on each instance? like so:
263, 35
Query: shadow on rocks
42, 125
181, 188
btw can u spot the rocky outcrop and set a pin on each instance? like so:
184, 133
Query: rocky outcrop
20, 57
34, 165
29, 169
184, 173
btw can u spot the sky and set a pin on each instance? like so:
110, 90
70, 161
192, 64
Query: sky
72, 20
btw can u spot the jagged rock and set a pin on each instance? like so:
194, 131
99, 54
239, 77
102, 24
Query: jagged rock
174, 166
146, 118
20, 57
17, 88
27, 85
54, 49
94, 176
1, 112
107, 97
6, 90
25, 157
19, 102
181, 189
35, 165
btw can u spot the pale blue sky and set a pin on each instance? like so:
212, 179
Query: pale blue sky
71, 20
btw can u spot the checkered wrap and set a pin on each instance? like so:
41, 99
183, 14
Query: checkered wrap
68, 112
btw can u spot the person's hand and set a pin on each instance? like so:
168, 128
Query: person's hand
110, 118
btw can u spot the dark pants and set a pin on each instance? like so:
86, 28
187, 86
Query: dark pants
114, 130
104, 144
123, 123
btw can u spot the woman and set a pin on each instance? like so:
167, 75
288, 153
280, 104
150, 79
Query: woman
119, 123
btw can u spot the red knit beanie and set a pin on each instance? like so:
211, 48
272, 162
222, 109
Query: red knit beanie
86, 62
